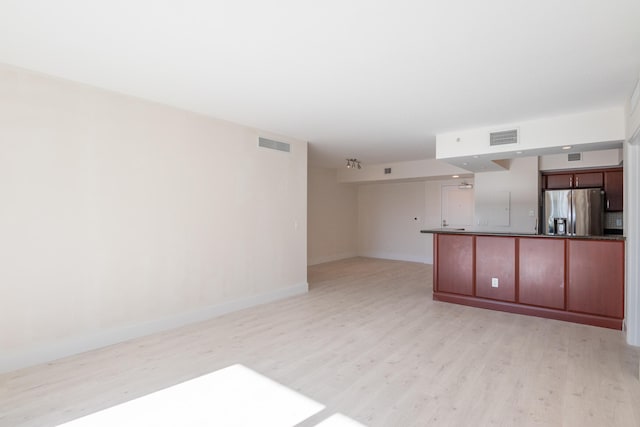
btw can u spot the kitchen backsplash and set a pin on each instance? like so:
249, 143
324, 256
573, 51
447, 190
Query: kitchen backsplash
613, 220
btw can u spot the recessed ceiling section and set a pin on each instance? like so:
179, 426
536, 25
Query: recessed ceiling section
502, 161
478, 164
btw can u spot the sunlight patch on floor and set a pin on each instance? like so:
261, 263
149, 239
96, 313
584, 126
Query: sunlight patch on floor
233, 396
339, 420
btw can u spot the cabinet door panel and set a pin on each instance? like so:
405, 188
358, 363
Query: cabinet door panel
541, 272
596, 277
496, 259
556, 182
588, 179
613, 188
455, 264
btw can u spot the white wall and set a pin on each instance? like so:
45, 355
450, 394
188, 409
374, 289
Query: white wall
632, 233
632, 114
521, 181
632, 224
373, 220
589, 159
387, 227
433, 211
121, 217
386, 224
332, 217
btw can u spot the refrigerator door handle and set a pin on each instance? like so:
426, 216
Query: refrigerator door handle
572, 224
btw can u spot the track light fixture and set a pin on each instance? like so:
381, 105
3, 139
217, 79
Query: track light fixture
353, 163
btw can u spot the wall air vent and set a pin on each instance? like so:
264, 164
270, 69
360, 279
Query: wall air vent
274, 145
574, 157
504, 137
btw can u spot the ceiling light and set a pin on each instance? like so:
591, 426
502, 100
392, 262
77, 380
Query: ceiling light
353, 163
475, 157
455, 176
518, 152
567, 147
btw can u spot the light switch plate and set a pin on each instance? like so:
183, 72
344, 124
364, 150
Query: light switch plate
494, 282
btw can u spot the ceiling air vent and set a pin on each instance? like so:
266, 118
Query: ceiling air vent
504, 137
574, 157
274, 145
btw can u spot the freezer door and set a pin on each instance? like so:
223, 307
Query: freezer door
557, 204
588, 212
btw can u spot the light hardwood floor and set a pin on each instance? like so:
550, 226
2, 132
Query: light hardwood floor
367, 341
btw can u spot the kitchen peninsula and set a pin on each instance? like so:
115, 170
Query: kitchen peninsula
576, 279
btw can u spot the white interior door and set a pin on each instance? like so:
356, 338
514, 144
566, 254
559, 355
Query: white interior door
457, 207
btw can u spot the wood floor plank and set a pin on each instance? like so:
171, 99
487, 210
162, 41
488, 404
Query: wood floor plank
369, 342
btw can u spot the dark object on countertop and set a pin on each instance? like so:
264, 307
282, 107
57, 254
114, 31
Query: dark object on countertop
614, 231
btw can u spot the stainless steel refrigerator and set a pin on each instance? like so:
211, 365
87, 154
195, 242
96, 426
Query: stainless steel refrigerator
577, 212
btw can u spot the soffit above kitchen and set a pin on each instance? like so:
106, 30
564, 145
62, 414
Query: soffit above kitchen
369, 80
490, 149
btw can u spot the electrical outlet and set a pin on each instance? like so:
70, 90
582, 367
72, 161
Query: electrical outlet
494, 282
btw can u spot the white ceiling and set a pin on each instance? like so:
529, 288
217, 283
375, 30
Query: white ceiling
369, 79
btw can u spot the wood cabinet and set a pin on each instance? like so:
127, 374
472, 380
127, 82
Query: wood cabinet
541, 272
574, 279
596, 277
573, 180
610, 180
614, 190
558, 181
454, 265
588, 180
496, 268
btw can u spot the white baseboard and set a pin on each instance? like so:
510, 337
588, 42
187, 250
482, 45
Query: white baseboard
398, 257
329, 258
42, 353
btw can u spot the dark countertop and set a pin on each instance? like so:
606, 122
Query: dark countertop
497, 233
